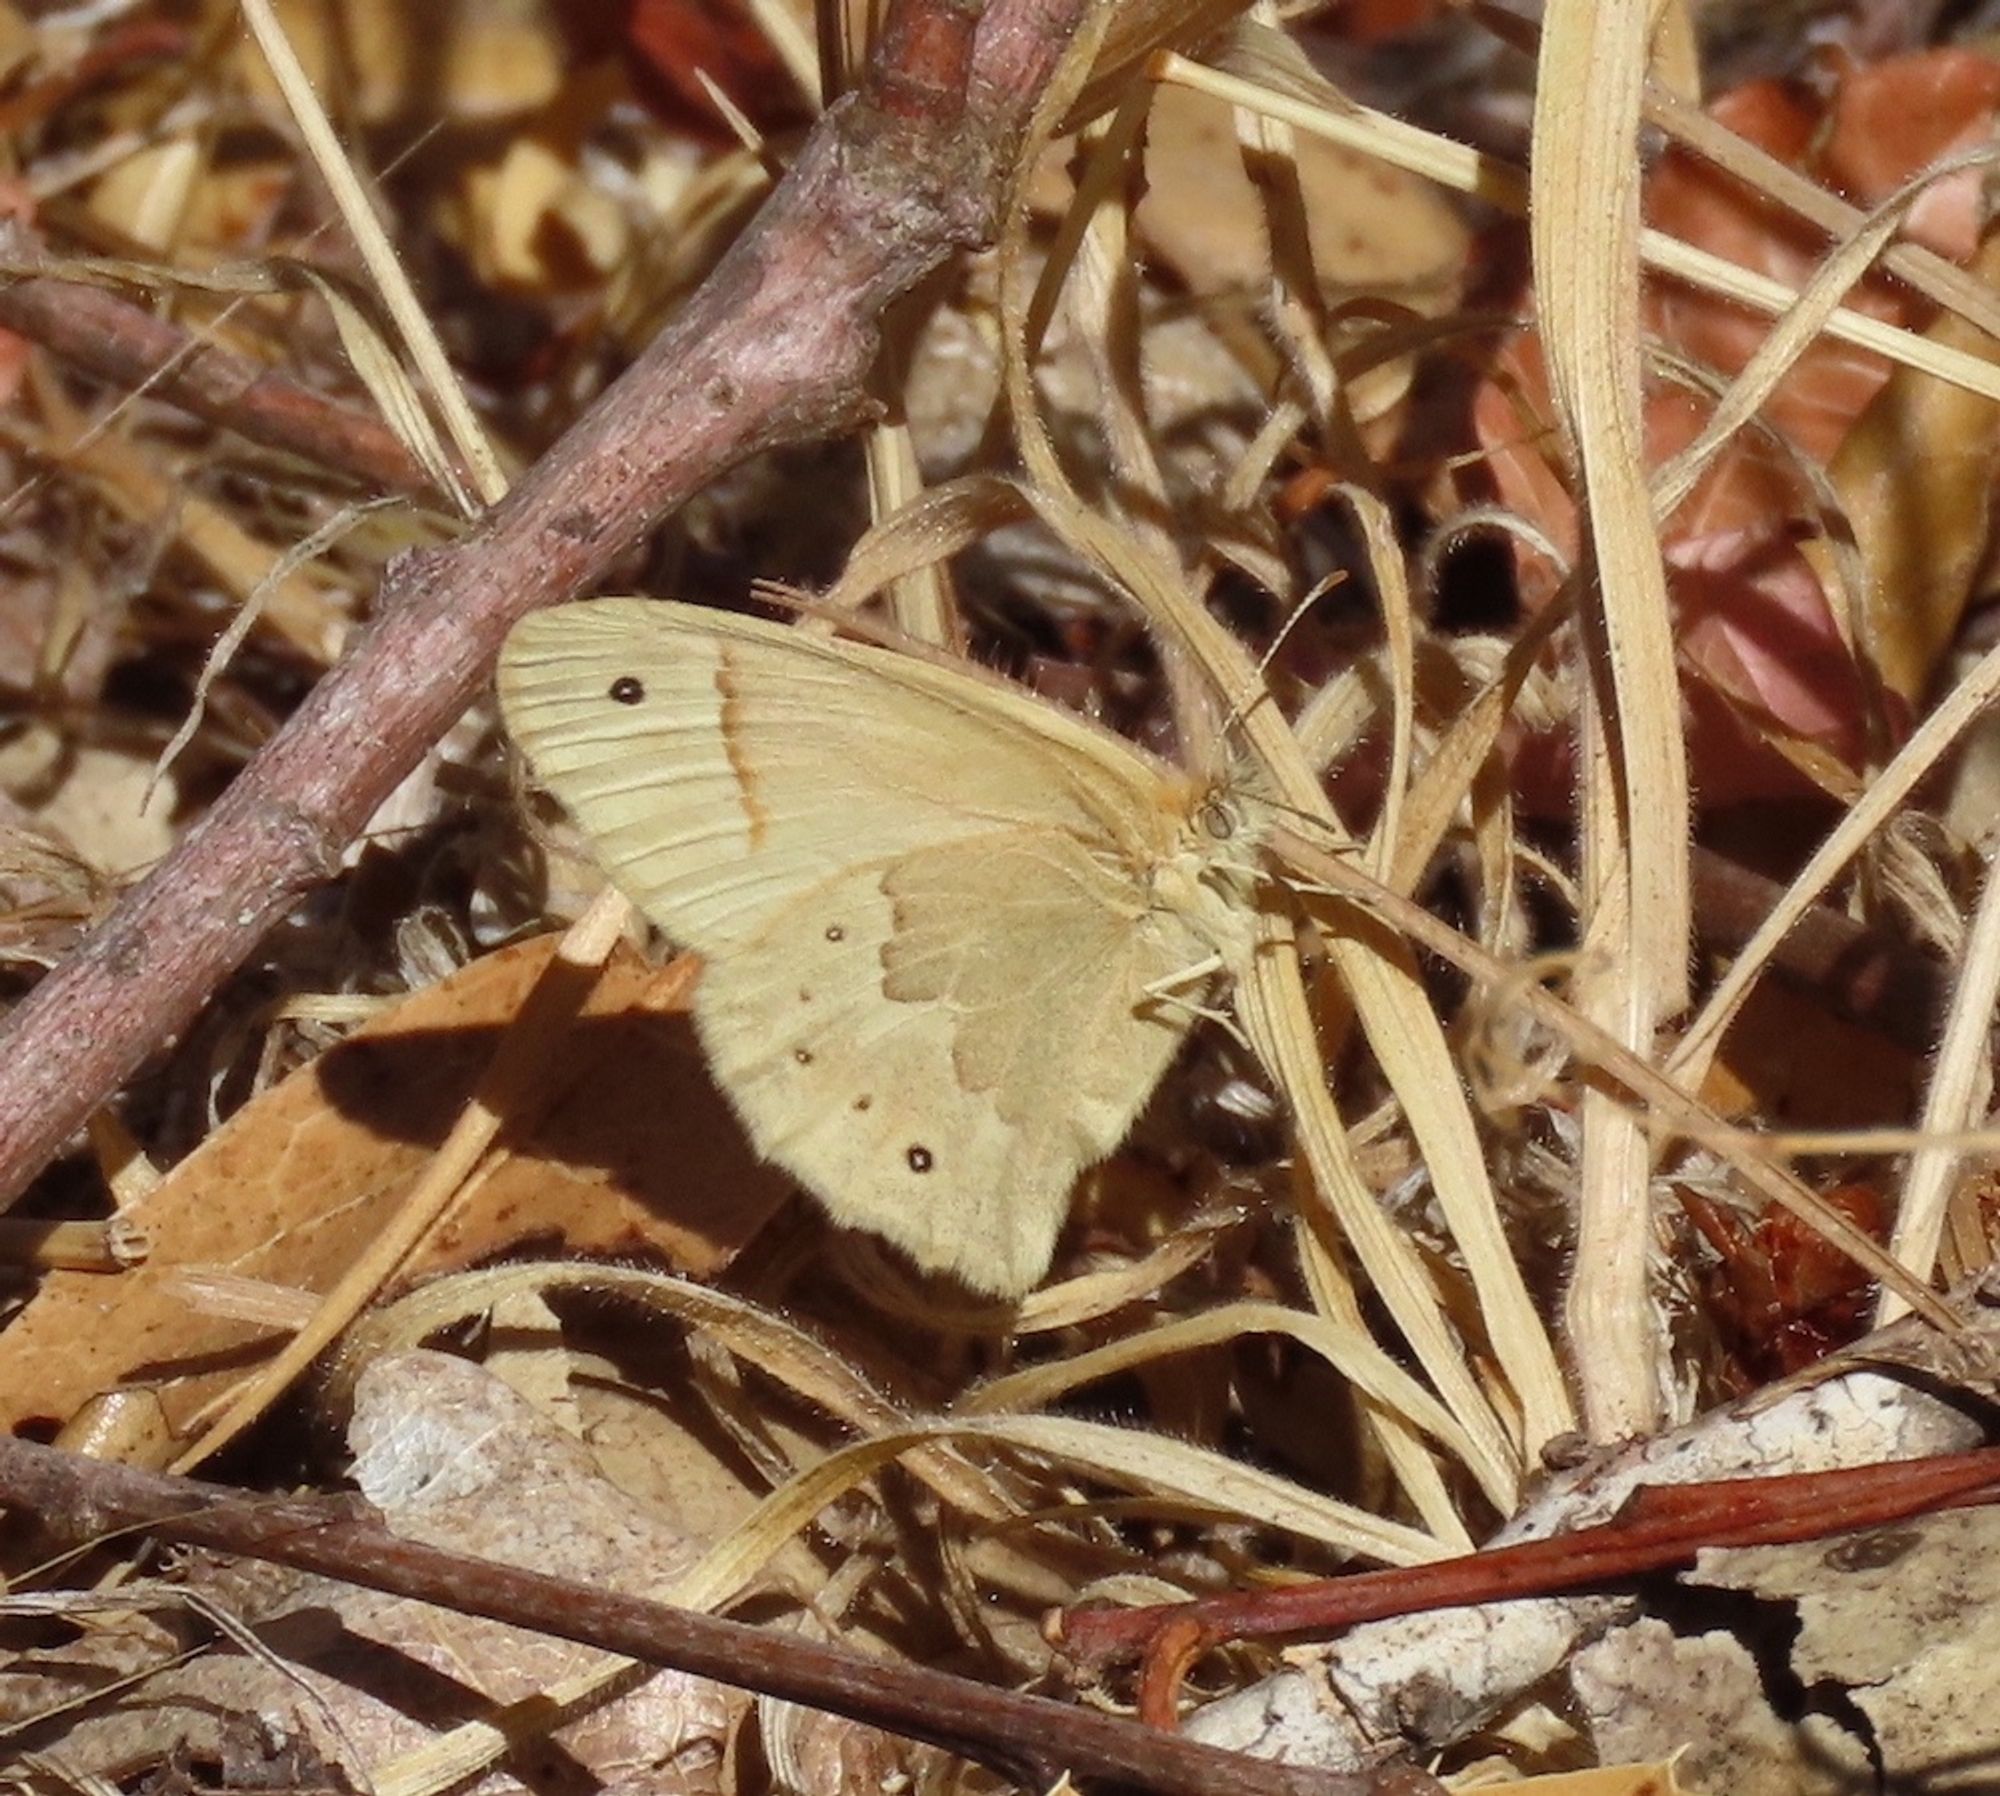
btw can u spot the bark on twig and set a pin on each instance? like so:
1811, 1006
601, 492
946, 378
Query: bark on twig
775, 348
1663, 1527
1903, 1397
1032, 1740
135, 350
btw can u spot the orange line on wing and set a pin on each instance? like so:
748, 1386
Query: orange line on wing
730, 721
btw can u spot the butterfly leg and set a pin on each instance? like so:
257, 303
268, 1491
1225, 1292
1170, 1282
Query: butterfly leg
1171, 990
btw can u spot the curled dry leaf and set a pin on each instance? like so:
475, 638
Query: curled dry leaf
635, 1152
1915, 476
353, 1679
1891, 1631
1432, 1679
679, 52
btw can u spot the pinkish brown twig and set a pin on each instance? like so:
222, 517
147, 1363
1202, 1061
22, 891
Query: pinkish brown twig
1662, 1526
1031, 1740
774, 348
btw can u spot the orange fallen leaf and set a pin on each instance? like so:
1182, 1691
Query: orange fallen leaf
635, 1152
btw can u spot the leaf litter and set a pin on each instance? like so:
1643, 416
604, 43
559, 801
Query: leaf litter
1321, 460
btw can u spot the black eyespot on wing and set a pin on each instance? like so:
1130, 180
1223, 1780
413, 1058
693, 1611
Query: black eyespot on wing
834, 933
919, 1157
803, 1056
627, 689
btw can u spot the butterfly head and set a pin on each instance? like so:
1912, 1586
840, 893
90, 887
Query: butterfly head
1210, 878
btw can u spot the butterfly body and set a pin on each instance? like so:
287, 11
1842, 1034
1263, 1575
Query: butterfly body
942, 921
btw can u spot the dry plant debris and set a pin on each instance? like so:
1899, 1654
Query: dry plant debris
1543, 457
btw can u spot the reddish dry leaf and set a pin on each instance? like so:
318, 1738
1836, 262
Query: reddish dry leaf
1792, 1063
17, 206
1781, 1297
669, 44
1383, 21
1765, 657
637, 1153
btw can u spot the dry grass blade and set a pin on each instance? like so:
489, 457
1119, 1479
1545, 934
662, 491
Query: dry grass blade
1348, 1350
1330, 874
395, 394
1373, 582
504, 1093
1961, 1089
301, 555
797, 1361
1638, 920
1887, 793
1401, 1028
1387, 850
384, 266
1931, 274
1308, 103
1166, 1472
1796, 331
951, 516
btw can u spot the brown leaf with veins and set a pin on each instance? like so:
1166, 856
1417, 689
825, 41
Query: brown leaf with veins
636, 1152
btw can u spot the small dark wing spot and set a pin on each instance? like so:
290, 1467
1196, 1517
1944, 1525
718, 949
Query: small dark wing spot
864, 1102
805, 997
835, 933
919, 1158
627, 689
803, 1056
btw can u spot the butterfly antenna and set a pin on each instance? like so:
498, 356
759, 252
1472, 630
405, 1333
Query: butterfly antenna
1250, 701
1313, 824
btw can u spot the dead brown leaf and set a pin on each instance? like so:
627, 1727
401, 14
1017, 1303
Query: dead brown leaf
636, 1152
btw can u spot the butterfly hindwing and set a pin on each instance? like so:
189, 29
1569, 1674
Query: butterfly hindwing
947, 1040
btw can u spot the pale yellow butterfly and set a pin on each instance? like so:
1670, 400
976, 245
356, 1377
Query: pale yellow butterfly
947, 927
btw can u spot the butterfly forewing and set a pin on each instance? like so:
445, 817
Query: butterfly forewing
720, 764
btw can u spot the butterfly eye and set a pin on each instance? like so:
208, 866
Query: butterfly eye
627, 689
1216, 819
